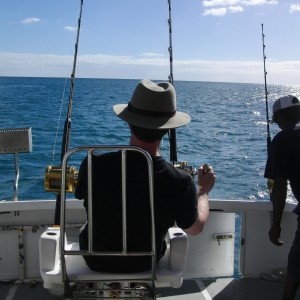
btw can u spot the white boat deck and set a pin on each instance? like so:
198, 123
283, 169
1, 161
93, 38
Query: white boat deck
212, 289
23, 222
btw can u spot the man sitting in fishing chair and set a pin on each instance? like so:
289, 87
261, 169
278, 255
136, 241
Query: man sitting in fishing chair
150, 114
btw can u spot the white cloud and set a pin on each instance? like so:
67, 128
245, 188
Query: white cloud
223, 3
220, 7
258, 2
31, 20
235, 9
294, 8
211, 3
215, 12
110, 66
70, 28
151, 54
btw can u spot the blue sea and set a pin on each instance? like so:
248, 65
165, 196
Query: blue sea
228, 129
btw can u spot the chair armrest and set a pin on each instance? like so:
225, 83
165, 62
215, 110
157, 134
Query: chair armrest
179, 245
49, 245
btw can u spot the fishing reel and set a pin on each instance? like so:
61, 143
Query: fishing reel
186, 167
189, 169
52, 182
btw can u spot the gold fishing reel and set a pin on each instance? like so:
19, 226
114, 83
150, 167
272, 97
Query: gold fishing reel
52, 181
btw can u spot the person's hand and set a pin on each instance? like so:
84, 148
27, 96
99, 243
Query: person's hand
206, 179
274, 235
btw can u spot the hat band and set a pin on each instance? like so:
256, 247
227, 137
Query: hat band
158, 114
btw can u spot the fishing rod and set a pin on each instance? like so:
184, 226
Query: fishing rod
172, 132
270, 181
56, 180
67, 125
266, 91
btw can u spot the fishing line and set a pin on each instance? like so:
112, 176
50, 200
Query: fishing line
59, 119
67, 125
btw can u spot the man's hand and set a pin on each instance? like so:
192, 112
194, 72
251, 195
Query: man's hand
206, 179
274, 235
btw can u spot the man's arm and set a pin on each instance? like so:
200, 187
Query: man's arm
278, 198
206, 181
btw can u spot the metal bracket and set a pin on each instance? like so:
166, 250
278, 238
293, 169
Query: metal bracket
223, 236
14, 141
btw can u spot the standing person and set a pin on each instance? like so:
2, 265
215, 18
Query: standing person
283, 166
150, 114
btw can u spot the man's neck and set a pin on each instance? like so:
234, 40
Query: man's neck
151, 147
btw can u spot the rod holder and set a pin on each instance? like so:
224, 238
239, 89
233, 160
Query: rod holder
15, 141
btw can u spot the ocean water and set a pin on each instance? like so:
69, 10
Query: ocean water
228, 129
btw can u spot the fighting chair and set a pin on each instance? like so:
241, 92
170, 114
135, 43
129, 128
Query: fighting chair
63, 268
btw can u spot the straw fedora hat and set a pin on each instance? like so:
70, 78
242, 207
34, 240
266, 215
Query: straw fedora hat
152, 106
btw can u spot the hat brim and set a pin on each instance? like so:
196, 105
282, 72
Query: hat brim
178, 120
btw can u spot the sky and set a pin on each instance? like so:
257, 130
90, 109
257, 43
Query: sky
212, 40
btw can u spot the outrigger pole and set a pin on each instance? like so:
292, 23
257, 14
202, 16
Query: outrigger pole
172, 132
266, 91
67, 125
